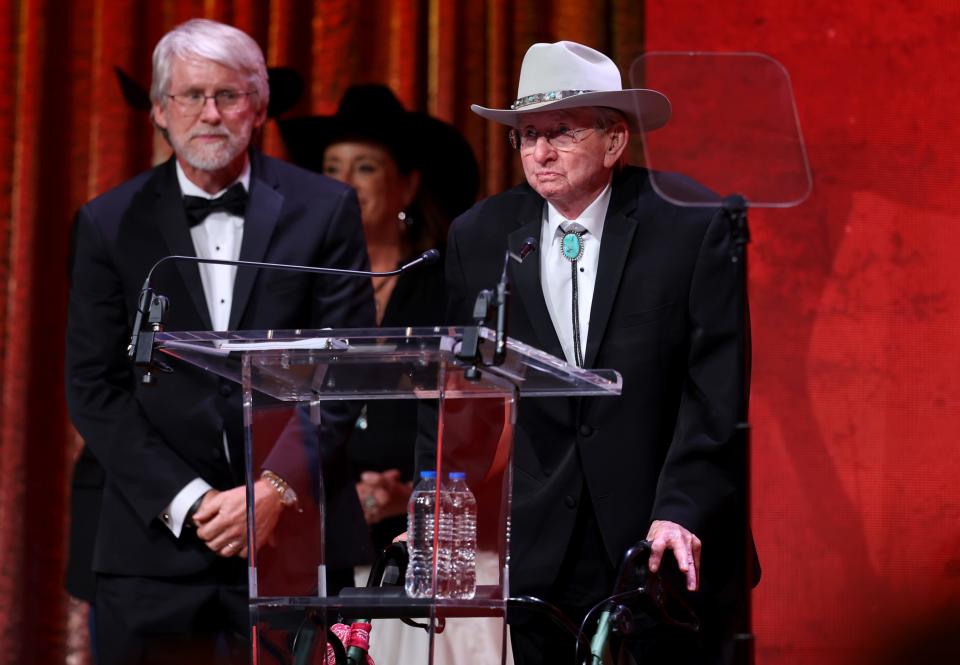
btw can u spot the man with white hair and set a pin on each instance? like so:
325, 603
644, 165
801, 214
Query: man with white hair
623, 280
170, 546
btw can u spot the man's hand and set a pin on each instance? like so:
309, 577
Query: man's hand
383, 495
222, 518
665, 535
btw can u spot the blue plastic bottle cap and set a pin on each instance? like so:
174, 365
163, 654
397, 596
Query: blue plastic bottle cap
428, 474
457, 475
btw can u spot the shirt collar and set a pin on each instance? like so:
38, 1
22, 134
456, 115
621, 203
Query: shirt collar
591, 219
187, 188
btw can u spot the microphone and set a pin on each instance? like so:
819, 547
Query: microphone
428, 257
529, 246
487, 299
140, 350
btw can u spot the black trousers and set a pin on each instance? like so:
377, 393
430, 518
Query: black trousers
586, 577
202, 618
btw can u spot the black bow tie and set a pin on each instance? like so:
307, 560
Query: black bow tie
233, 201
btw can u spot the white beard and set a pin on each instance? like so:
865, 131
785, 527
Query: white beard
212, 157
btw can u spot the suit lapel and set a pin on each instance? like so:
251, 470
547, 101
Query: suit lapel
171, 218
259, 223
618, 231
526, 276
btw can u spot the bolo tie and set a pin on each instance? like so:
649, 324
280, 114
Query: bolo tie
572, 248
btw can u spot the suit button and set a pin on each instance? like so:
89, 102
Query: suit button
586, 430
226, 389
217, 453
547, 472
570, 501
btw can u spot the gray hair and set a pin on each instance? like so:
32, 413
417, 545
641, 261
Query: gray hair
606, 117
210, 40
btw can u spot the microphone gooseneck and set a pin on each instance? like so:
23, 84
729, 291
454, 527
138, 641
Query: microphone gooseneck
140, 349
503, 296
488, 301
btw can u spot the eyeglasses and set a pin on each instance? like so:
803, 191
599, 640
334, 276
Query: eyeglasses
192, 102
561, 138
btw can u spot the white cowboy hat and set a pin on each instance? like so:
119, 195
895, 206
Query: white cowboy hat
568, 75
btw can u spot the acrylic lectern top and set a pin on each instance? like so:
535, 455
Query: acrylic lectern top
378, 363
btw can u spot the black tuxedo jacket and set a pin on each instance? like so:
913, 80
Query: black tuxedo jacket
151, 441
664, 316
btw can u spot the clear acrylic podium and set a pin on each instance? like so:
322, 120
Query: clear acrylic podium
303, 391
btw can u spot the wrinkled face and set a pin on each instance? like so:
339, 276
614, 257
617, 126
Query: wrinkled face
371, 170
208, 139
568, 177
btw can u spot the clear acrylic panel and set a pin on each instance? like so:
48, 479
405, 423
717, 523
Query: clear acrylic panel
300, 389
734, 129
379, 363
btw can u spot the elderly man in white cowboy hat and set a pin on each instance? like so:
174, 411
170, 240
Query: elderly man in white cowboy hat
623, 280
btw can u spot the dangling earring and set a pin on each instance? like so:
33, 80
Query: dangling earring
404, 219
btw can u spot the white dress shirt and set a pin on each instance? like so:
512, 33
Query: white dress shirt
555, 275
218, 237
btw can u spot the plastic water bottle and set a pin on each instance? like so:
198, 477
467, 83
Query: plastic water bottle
420, 529
445, 547
462, 506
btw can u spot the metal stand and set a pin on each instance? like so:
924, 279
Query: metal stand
735, 210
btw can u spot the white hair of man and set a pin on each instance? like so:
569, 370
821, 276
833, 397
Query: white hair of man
210, 40
607, 117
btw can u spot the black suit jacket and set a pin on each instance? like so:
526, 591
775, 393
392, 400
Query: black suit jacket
390, 429
664, 316
151, 441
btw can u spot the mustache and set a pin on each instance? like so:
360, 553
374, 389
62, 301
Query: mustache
210, 131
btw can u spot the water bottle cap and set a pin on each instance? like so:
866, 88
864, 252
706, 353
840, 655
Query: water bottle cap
428, 474
457, 475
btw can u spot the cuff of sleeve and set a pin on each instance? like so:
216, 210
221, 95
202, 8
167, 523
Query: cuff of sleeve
174, 515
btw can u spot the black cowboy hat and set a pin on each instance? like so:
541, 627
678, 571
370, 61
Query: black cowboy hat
416, 140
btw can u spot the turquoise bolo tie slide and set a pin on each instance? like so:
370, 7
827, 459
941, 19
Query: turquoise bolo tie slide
572, 246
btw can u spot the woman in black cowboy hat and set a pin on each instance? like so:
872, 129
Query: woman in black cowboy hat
413, 174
